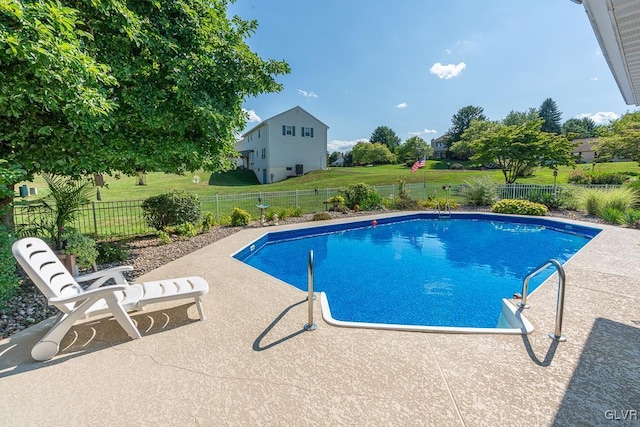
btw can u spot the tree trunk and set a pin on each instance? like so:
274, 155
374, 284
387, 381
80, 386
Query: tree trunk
6, 209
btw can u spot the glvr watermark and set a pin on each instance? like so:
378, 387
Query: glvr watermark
621, 414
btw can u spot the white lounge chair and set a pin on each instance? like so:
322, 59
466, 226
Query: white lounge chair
74, 302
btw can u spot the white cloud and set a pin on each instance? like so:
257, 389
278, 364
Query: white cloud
594, 79
448, 51
343, 146
402, 105
424, 132
447, 71
601, 117
253, 117
307, 94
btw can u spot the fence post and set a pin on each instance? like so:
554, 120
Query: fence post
217, 208
95, 219
296, 199
326, 205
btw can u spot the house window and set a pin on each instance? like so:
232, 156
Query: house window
264, 153
307, 132
288, 130
289, 169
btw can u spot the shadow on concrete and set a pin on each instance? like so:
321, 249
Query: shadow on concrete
92, 335
553, 346
605, 385
257, 344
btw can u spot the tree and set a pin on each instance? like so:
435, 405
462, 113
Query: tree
385, 135
333, 157
579, 128
551, 115
413, 149
365, 153
52, 93
620, 139
520, 117
117, 86
516, 148
461, 121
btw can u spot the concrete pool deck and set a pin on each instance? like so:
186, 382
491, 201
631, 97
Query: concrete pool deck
251, 362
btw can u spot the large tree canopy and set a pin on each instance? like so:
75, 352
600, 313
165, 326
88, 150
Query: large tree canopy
579, 128
113, 86
620, 139
413, 149
520, 117
461, 121
367, 153
551, 115
515, 148
386, 136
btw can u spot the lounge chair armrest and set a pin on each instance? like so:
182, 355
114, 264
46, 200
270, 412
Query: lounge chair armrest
87, 294
102, 276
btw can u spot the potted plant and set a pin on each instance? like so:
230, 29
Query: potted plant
81, 250
337, 201
48, 216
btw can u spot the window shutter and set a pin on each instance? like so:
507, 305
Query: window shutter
284, 130
311, 132
302, 131
293, 130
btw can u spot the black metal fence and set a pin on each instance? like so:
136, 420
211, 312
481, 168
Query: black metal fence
125, 219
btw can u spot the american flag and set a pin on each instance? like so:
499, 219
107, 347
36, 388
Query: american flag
418, 164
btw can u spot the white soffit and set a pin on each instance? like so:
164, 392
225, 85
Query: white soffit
616, 24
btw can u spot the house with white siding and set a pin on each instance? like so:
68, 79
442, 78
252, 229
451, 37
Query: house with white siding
289, 144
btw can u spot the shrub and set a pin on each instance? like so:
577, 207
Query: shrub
110, 252
187, 230
170, 209
240, 217
550, 200
594, 200
8, 279
82, 246
321, 216
208, 221
431, 203
269, 215
407, 204
225, 220
457, 166
164, 237
597, 178
363, 195
518, 207
296, 212
480, 192
339, 200
611, 215
630, 218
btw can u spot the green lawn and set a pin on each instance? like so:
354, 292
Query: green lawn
233, 182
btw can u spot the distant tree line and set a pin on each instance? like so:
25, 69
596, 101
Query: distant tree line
517, 144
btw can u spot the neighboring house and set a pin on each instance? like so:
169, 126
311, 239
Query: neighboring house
339, 162
584, 150
439, 147
292, 143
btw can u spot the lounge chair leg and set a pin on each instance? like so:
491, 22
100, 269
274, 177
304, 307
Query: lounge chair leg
199, 306
49, 345
122, 317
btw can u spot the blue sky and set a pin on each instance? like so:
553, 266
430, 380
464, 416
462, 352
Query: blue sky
412, 64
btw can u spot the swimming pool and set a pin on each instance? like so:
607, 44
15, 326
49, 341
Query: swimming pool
419, 272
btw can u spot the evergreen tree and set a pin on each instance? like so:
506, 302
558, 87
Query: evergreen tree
551, 115
386, 136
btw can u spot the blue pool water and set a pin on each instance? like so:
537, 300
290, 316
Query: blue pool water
417, 269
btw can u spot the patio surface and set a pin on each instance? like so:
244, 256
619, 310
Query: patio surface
251, 362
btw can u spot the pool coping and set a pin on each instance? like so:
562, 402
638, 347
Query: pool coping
509, 312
